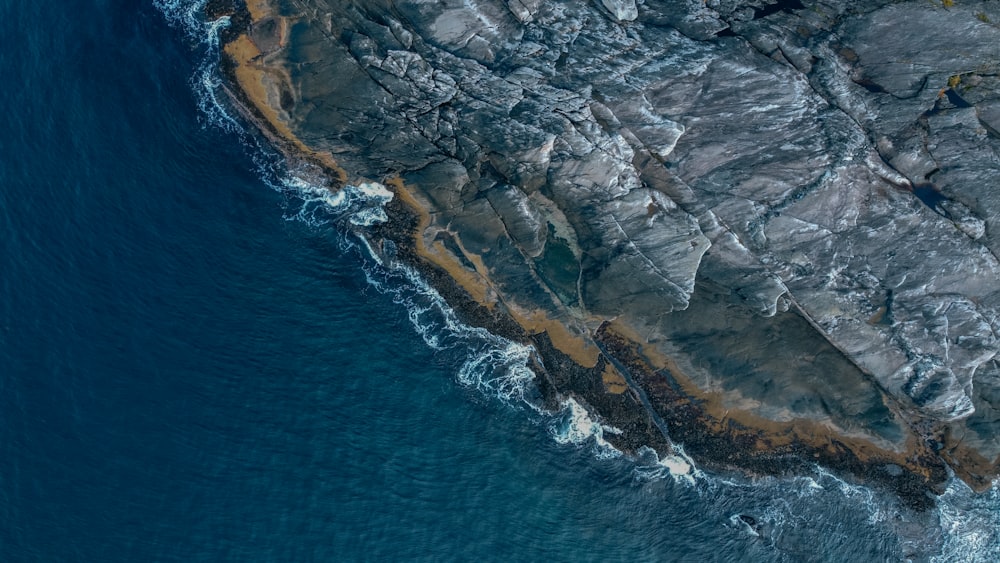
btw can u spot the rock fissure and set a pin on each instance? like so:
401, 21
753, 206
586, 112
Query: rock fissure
750, 206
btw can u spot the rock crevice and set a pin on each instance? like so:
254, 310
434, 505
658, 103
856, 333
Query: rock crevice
794, 203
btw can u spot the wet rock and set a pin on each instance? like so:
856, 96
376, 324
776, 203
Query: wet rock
751, 522
622, 10
801, 213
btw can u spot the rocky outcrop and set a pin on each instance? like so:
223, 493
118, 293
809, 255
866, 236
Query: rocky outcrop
785, 212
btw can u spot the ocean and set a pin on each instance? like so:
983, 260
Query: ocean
200, 362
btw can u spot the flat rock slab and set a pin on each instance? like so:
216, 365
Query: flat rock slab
786, 210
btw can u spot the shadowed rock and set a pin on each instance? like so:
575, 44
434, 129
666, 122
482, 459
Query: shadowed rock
796, 221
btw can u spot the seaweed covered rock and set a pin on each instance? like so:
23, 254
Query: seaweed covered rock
787, 211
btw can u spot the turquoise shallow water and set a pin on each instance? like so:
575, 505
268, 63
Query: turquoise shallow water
198, 361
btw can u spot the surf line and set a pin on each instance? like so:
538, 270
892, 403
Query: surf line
492, 364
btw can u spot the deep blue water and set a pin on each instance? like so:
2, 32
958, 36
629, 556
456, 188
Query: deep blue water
197, 364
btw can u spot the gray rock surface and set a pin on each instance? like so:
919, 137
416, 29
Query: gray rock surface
816, 172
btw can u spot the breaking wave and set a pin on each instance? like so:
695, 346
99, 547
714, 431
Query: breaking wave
676, 465
494, 365
576, 425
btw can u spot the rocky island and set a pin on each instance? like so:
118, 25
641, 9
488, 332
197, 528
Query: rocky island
765, 230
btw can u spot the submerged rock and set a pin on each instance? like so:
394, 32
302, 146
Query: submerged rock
778, 220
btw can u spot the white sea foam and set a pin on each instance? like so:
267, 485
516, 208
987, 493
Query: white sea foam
878, 511
183, 14
207, 84
363, 205
676, 465
575, 425
510, 381
210, 96
492, 364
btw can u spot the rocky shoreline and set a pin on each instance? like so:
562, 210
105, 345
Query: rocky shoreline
707, 227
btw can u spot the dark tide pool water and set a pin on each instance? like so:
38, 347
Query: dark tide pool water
198, 364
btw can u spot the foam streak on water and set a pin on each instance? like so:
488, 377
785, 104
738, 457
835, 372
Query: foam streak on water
496, 366
965, 527
676, 465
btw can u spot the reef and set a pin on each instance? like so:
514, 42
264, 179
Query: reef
767, 231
